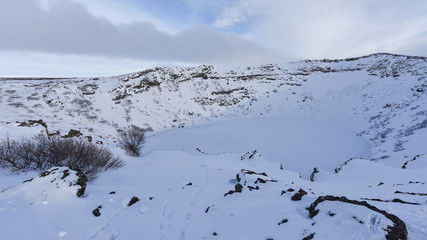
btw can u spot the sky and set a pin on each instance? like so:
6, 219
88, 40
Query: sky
111, 37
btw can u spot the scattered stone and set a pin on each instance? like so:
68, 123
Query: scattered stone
238, 178
96, 212
28, 180
381, 183
237, 188
151, 198
360, 221
283, 221
207, 210
311, 236
283, 192
253, 188
395, 200
260, 180
215, 234
253, 173
298, 196
133, 201
66, 173
315, 170
189, 184
290, 190
331, 214
82, 182
72, 133
413, 159
411, 193
113, 192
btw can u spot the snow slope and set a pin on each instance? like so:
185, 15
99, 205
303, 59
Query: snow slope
298, 144
360, 122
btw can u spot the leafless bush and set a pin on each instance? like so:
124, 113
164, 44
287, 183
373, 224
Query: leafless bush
40, 153
132, 139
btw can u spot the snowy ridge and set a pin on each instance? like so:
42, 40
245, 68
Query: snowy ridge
233, 151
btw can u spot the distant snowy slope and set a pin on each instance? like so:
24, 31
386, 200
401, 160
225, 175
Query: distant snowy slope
382, 97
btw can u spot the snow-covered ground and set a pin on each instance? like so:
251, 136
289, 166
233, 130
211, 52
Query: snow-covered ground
232, 153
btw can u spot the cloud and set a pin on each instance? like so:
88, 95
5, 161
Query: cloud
330, 28
66, 27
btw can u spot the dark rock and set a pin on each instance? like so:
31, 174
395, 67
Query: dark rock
396, 232
47, 173
283, 221
73, 133
311, 236
315, 170
238, 178
411, 193
82, 182
283, 192
215, 234
396, 200
133, 201
113, 192
96, 212
89, 138
238, 188
290, 190
28, 180
253, 173
253, 188
66, 174
298, 196
260, 180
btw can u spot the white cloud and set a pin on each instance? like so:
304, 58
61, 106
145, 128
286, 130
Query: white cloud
66, 27
331, 28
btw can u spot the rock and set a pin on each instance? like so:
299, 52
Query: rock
315, 170
396, 232
133, 201
238, 188
82, 182
311, 236
96, 212
298, 196
283, 221
72, 133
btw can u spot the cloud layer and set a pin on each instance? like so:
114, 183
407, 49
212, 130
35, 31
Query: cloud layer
66, 27
331, 28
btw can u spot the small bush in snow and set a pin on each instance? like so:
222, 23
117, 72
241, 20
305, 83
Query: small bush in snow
132, 139
41, 153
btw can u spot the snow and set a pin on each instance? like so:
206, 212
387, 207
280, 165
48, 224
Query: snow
298, 144
346, 115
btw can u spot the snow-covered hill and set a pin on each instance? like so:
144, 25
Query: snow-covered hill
227, 151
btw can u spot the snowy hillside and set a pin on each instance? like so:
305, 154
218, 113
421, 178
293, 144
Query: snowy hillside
287, 151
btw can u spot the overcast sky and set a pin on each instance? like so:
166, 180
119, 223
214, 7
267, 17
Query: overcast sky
107, 37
